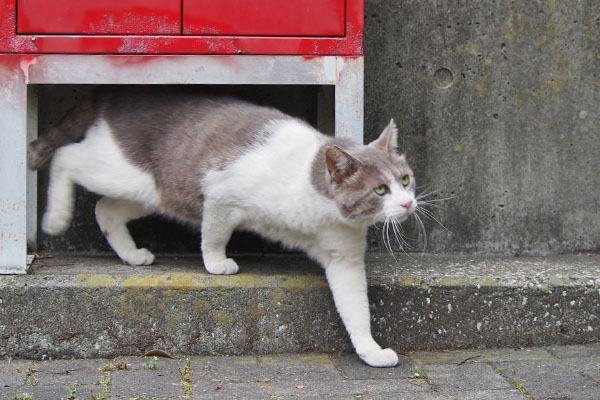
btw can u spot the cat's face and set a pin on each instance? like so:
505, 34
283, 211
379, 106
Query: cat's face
372, 183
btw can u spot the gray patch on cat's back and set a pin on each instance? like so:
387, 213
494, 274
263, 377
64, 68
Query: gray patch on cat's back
180, 135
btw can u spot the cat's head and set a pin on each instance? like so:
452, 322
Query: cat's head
372, 183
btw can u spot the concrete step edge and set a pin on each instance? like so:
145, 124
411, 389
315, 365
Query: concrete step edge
97, 307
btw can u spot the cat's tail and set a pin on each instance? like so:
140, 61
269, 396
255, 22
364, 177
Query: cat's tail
70, 129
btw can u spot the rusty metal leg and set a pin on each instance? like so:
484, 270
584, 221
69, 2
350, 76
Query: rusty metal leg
349, 98
13, 172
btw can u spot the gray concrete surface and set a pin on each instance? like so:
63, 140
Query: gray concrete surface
563, 372
497, 103
73, 306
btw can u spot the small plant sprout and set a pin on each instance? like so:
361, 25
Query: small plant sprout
186, 377
417, 372
114, 366
150, 362
30, 379
520, 386
18, 395
105, 392
72, 393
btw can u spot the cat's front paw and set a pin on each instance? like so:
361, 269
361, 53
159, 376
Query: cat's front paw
380, 358
138, 257
223, 267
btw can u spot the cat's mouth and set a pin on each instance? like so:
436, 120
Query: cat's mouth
401, 217
399, 214
397, 217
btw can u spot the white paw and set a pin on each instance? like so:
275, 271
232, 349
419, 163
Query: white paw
380, 358
223, 267
138, 257
55, 224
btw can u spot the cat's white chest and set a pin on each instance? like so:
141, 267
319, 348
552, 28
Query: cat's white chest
271, 182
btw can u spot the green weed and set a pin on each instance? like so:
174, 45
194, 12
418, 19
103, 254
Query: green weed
18, 395
520, 386
150, 362
186, 377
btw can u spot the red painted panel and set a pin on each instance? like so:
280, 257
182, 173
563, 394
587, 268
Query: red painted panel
99, 17
351, 44
264, 17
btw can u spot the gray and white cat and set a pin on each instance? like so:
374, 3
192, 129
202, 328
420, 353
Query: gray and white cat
227, 164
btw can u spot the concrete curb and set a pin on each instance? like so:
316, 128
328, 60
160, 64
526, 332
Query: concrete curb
94, 307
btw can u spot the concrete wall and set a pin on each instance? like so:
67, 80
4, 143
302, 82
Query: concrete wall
498, 103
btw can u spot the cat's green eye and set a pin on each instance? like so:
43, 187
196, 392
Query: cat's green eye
381, 190
405, 180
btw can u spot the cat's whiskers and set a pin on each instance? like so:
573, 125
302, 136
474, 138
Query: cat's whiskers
424, 198
401, 239
421, 230
421, 204
386, 238
391, 223
429, 215
420, 213
400, 235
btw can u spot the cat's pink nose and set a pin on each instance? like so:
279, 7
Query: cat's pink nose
406, 205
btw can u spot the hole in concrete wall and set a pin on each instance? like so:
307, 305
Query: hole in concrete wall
443, 78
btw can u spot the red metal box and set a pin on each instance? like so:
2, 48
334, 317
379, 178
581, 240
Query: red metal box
273, 27
126, 17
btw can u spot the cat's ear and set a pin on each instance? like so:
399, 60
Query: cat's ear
388, 139
340, 164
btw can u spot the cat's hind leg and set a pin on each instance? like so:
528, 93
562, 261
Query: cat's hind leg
112, 216
61, 188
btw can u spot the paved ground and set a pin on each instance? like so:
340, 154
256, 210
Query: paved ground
564, 372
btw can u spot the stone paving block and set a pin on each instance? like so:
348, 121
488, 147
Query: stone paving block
352, 368
481, 356
593, 374
355, 388
454, 378
552, 378
474, 395
51, 378
12, 373
260, 368
242, 391
317, 366
139, 380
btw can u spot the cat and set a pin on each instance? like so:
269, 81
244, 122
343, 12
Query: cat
224, 164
